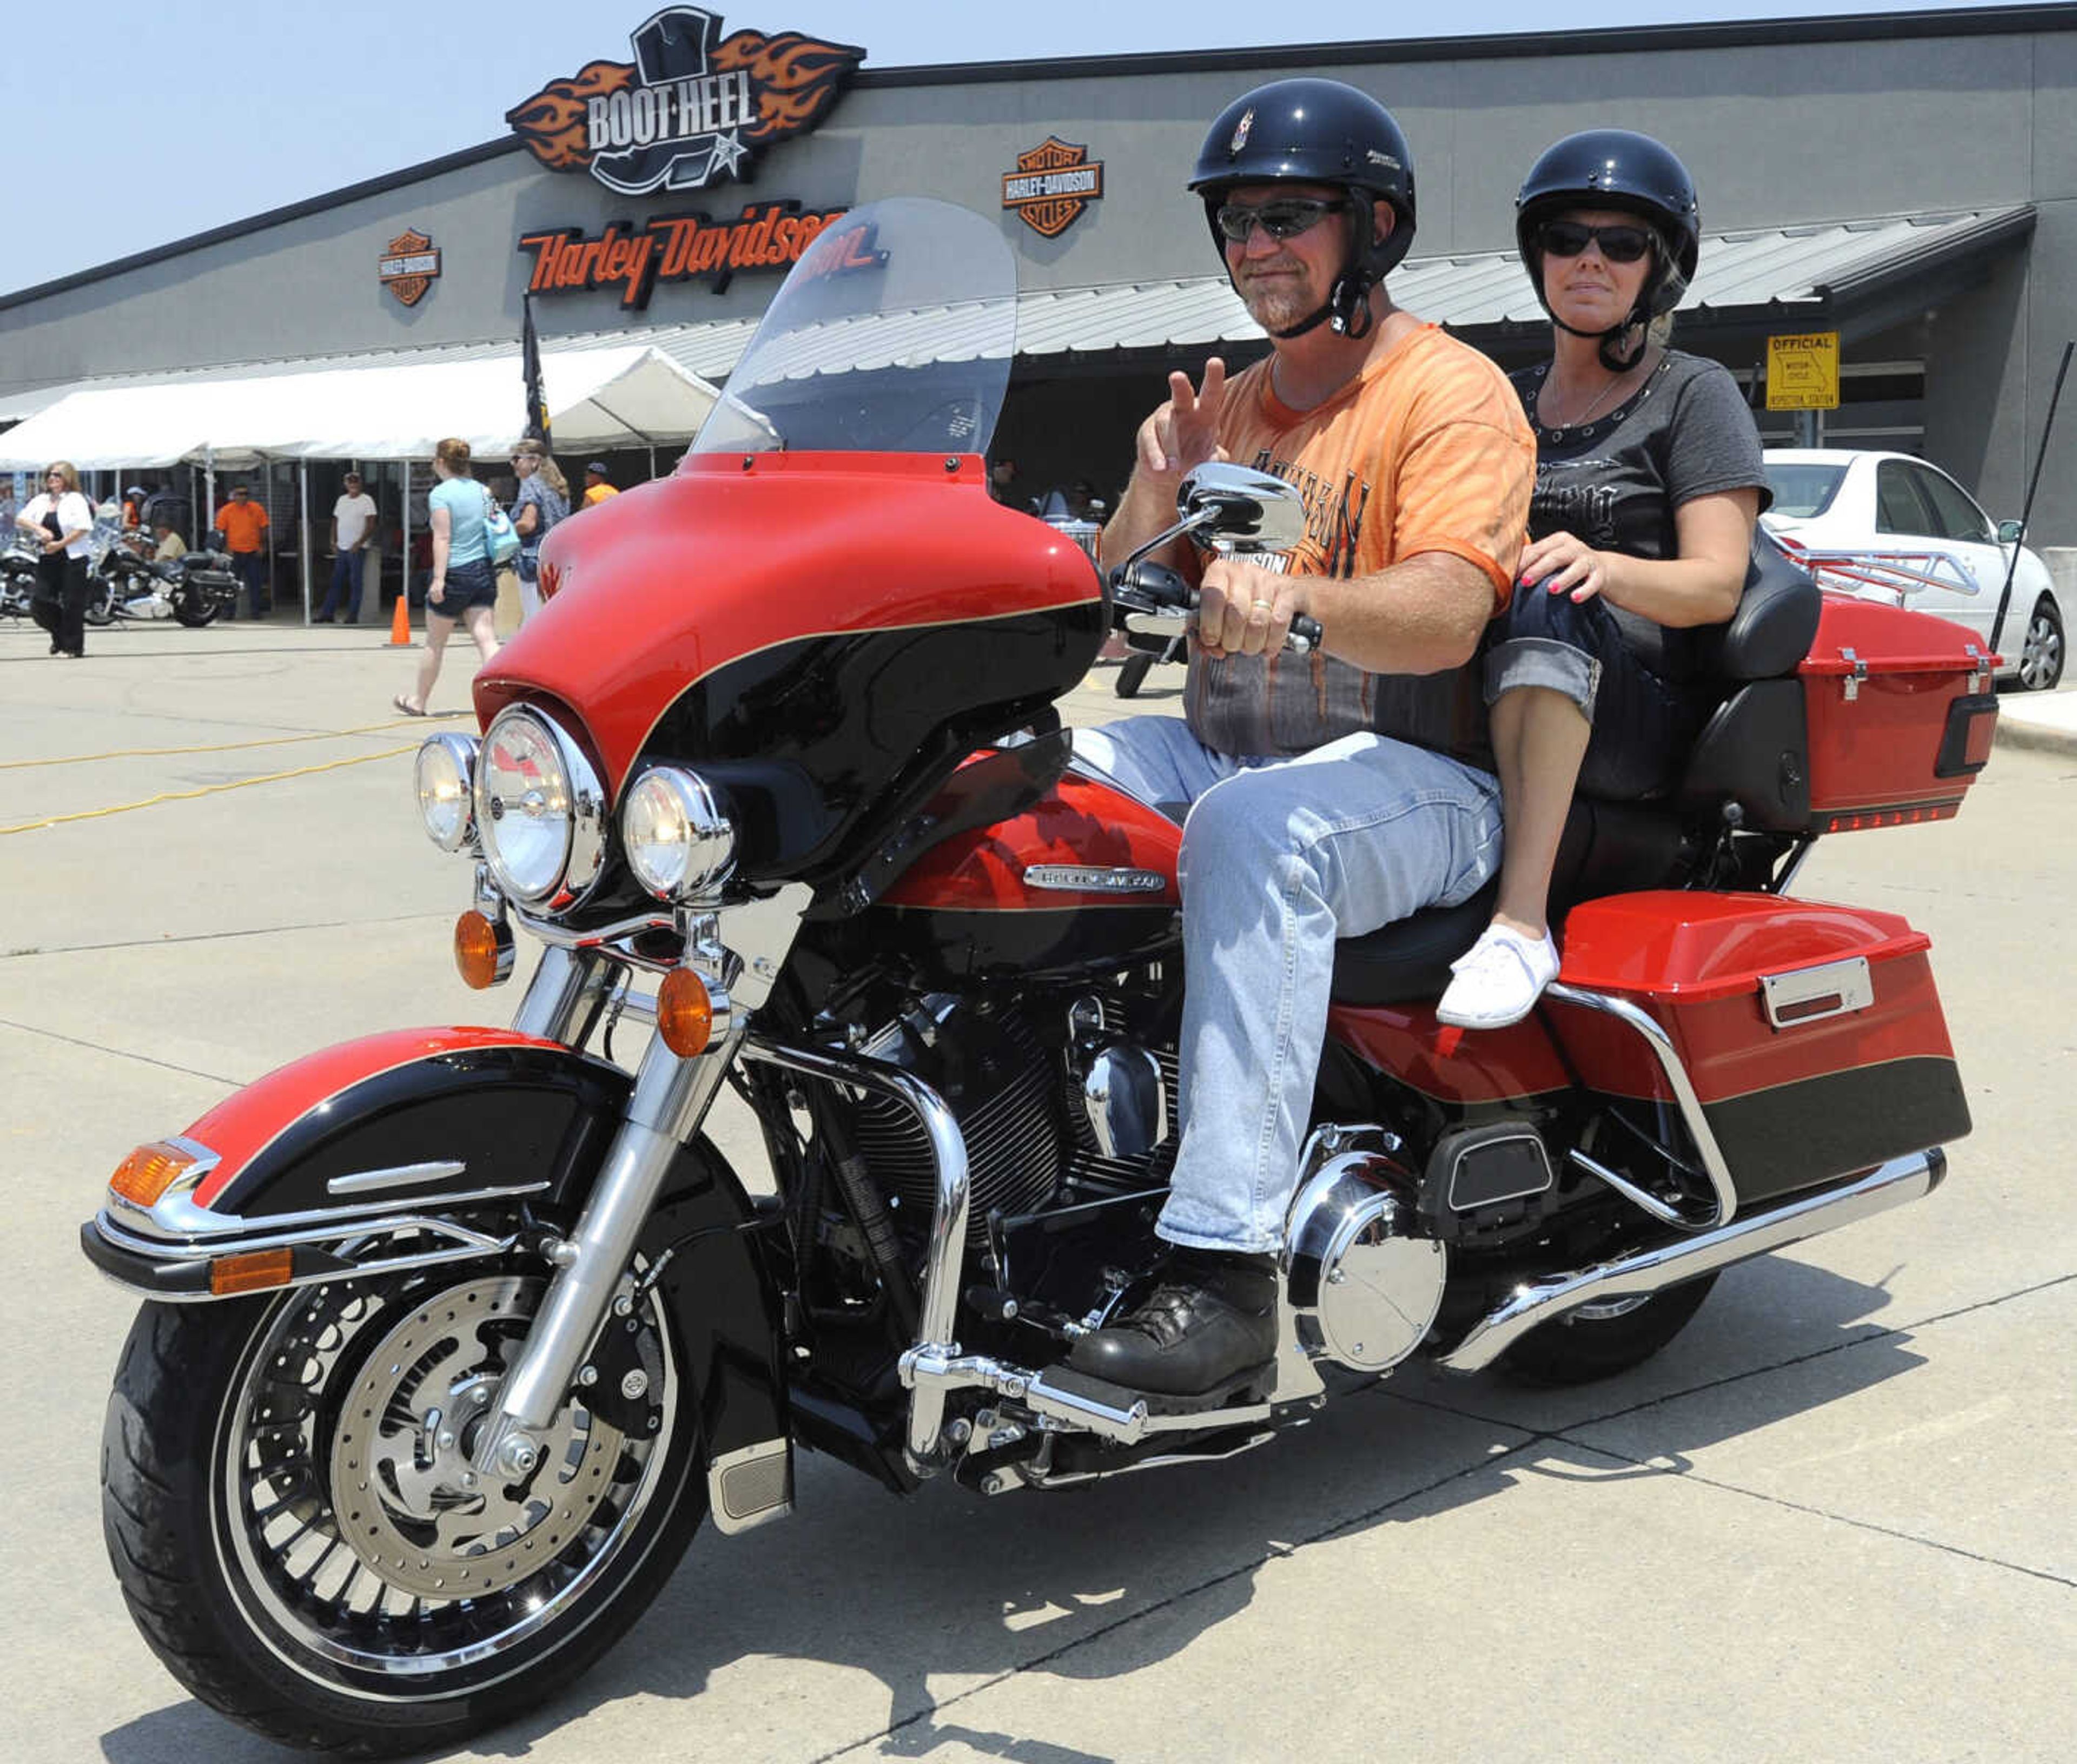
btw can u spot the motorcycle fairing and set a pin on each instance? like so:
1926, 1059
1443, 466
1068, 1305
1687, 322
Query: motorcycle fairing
733, 599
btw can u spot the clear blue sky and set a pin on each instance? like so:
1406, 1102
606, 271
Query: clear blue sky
172, 118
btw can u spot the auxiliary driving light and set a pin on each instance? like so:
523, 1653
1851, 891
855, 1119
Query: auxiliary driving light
444, 773
679, 842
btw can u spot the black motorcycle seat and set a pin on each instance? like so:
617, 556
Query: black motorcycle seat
1608, 848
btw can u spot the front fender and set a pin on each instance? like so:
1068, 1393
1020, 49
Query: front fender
394, 1136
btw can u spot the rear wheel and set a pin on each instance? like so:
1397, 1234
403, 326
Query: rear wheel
288, 1503
2041, 654
193, 609
1599, 1341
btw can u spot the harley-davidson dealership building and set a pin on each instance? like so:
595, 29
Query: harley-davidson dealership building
1890, 197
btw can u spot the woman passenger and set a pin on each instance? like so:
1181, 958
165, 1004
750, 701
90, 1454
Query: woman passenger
1648, 482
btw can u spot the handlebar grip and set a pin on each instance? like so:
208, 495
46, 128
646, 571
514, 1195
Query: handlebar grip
1305, 634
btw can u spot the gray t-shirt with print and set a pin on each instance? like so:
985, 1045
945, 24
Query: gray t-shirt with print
1616, 482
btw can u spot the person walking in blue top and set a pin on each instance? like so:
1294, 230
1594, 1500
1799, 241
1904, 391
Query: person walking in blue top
463, 589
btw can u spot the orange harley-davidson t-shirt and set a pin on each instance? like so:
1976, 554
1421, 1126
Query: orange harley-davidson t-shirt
244, 524
1426, 451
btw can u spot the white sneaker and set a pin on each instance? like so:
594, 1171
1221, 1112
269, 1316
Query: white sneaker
1499, 979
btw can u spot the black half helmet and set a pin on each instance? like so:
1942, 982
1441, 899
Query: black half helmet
1315, 132
1617, 168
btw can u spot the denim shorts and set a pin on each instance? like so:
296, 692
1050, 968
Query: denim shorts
468, 584
1643, 726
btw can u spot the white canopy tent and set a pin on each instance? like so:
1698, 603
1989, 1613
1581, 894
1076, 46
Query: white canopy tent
624, 395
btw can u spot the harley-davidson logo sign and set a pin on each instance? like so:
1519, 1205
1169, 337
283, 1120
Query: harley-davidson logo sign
408, 266
1052, 184
693, 108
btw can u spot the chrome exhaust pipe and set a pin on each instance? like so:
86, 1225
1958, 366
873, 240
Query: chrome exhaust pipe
1538, 1301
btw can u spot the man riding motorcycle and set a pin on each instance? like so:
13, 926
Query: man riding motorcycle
1334, 793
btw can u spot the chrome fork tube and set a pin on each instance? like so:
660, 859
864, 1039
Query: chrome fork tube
671, 1098
565, 997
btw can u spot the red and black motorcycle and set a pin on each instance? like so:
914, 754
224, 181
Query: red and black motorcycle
456, 1334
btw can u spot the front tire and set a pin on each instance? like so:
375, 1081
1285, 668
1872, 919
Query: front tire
1597, 1341
283, 1505
101, 609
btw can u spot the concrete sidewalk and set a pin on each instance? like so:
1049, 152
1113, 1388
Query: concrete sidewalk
2045, 722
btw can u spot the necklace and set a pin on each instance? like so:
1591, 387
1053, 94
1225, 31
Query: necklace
1599, 398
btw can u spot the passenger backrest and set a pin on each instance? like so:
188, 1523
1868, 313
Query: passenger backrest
1754, 749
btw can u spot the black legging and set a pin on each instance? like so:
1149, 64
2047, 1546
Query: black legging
59, 605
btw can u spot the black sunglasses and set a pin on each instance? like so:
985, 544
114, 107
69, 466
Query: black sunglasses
1620, 244
1286, 217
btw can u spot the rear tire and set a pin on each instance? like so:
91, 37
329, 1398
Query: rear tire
193, 611
242, 1512
1583, 1346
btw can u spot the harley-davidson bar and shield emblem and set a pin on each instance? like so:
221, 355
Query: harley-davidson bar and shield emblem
693, 108
1052, 184
408, 266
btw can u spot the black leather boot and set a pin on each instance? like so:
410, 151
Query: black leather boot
1211, 1320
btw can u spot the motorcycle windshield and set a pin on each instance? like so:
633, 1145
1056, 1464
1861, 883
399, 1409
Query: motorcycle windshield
892, 334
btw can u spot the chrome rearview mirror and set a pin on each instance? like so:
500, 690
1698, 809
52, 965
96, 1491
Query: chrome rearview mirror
1236, 508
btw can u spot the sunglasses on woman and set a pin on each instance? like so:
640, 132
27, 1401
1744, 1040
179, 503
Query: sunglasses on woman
1620, 243
1285, 218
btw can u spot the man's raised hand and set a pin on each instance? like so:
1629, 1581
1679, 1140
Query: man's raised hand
1184, 432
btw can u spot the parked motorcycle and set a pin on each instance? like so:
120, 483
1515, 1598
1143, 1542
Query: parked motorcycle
192, 589
455, 1335
18, 580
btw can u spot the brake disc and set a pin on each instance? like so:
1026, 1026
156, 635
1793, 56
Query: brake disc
408, 1501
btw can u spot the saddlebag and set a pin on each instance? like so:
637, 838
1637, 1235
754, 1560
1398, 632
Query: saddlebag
1813, 1035
1901, 713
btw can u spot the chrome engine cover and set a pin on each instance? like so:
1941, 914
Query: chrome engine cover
1362, 1285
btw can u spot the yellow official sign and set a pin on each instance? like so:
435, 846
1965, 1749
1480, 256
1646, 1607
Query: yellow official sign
1803, 373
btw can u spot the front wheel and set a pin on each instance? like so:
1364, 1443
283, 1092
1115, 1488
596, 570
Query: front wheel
1599, 1341
288, 1505
101, 609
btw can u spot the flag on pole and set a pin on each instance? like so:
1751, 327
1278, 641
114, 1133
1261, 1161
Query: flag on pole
529, 360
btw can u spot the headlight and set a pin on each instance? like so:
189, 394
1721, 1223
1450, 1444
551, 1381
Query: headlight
444, 773
539, 810
679, 842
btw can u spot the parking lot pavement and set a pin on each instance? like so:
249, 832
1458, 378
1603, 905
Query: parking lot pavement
1829, 1523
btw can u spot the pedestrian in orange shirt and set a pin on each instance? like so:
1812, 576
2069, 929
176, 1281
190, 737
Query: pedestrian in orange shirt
243, 522
596, 489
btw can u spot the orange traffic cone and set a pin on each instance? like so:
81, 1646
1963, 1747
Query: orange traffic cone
400, 623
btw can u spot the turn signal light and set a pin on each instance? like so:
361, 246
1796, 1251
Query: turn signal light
483, 950
685, 1012
1860, 820
149, 1170
255, 1271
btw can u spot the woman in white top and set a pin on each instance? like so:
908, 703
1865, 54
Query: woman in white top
62, 519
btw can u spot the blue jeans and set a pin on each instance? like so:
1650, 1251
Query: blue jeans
1280, 858
251, 568
346, 572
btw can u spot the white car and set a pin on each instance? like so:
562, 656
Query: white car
1921, 539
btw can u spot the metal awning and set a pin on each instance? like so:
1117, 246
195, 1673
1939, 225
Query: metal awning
1801, 278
